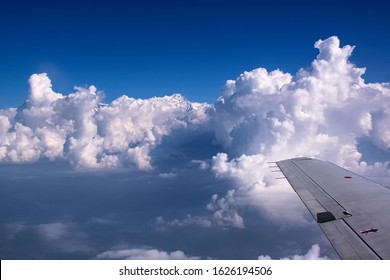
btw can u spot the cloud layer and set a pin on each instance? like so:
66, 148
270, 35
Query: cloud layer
322, 111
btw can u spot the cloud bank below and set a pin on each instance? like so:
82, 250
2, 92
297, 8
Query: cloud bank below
312, 254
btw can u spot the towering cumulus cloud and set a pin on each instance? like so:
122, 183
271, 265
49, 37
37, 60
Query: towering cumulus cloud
322, 111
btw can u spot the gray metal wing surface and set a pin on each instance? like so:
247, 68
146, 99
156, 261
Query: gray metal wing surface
352, 211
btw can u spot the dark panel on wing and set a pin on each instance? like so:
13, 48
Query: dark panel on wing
352, 211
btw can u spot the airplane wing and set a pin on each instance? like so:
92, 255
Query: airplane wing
352, 211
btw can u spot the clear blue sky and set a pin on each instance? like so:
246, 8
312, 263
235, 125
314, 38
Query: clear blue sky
148, 48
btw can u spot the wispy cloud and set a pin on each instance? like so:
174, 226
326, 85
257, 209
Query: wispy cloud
143, 254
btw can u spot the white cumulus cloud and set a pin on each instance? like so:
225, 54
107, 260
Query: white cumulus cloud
321, 111
80, 128
256, 186
224, 210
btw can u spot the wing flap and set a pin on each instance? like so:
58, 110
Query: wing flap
345, 241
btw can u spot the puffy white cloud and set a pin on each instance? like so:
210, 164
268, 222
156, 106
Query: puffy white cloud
256, 186
143, 254
322, 111
88, 133
224, 214
312, 254
136, 126
41, 91
224, 210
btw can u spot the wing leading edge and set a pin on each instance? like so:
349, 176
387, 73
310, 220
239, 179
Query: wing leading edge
352, 211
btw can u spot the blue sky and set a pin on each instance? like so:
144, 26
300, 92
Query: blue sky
80, 179
156, 48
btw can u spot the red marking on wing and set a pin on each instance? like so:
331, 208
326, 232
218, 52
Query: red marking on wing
367, 231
